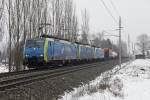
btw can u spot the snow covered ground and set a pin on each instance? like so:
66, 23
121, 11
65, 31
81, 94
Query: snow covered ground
132, 82
3, 68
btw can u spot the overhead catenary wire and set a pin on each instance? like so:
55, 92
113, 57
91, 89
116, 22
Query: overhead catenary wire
109, 12
114, 7
120, 27
116, 10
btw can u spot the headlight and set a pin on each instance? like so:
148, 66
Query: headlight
41, 55
27, 55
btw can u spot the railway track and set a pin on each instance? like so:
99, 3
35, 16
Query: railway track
13, 80
10, 74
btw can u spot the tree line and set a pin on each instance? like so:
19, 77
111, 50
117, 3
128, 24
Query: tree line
27, 19
143, 44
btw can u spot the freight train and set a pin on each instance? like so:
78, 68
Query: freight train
52, 51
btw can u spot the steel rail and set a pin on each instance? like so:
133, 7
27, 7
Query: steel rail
10, 75
26, 79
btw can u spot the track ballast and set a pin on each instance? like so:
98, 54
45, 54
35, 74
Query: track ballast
16, 79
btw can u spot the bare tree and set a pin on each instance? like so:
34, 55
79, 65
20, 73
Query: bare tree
57, 11
10, 36
1, 21
97, 39
29, 18
85, 27
64, 19
70, 21
1, 8
143, 43
74, 26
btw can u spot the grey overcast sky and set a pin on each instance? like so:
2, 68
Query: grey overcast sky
135, 16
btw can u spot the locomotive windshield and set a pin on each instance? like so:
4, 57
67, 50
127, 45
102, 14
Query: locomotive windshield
34, 43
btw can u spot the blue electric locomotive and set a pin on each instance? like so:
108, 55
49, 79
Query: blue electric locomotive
34, 51
51, 51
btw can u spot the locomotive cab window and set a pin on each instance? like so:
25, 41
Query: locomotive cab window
34, 43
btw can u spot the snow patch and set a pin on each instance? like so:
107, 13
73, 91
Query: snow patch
132, 82
116, 87
3, 68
